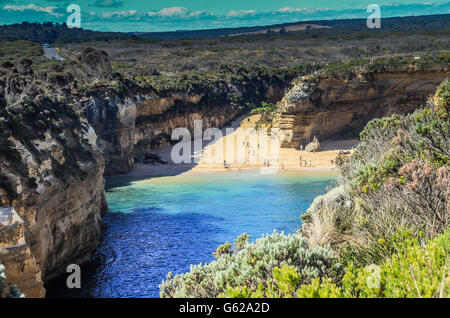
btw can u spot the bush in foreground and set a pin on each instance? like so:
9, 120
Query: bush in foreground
251, 265
388, 224
415, 271
399, 176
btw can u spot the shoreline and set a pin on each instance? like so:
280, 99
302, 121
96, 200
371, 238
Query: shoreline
151, 171
244, 157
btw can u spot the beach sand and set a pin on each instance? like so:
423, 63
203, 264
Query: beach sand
244, 149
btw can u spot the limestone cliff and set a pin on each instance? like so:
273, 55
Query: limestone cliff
51, 193
326, 107
54, 139
135, 123
58, 139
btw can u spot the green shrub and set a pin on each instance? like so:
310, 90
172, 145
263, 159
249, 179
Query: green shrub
443, 97
398, 177
377, 250
223, 249
267, 112
283, 285
251, 266
414, 271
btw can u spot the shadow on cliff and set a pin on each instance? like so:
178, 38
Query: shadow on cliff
143, 171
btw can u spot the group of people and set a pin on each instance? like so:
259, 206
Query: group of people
266, 162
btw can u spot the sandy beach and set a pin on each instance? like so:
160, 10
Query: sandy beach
244, 149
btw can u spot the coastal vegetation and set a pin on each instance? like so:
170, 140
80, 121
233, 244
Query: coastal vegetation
251, 265
49, 32
388, 218
415, 270
384, 232
267, 112
288, 51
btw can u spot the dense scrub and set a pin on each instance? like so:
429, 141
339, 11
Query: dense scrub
384, 230
251, 265
415, 270
210, 55
397, 178
400, 173
37, 100
49, 32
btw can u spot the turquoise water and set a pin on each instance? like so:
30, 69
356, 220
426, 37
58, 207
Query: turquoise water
165, 224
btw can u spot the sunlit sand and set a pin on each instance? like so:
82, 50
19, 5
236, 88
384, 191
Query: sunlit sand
246, 149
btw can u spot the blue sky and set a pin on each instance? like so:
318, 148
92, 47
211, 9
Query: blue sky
170, 15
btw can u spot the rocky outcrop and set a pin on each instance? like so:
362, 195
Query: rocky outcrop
51, 196
53, 146
313, 146
328, 107
16, 253
54, 152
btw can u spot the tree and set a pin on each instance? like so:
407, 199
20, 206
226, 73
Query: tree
96, 63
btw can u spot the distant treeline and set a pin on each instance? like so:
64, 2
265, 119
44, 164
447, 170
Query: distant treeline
399, 24
50, 32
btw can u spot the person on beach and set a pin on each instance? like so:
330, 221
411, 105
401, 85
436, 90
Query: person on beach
300, 160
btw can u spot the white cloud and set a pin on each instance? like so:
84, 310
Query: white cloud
166, 14
32, 7
178, 17
124, 13
240, 13
178, 13
173, 11
289, 10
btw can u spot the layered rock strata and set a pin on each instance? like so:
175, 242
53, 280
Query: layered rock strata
330, 107
52, 200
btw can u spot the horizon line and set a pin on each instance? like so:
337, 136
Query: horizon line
229, 28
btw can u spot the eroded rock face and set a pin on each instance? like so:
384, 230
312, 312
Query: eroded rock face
332, 107
16, 253
313, 146
51, 179
51, 169
130, 126
51, 201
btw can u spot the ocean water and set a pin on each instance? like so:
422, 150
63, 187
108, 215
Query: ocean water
165, 224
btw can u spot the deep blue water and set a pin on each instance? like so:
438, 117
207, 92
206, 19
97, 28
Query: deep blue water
165, 224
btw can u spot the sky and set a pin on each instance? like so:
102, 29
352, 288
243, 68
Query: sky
171, 15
